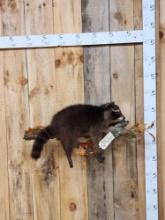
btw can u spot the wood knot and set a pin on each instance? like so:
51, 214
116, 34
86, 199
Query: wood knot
81, 58
70, 57
115, 75
46, 91
125, 21
23, 81
12, 4
57, 63
161, 34
119, 17
72, 206
6, 77
132, 195
2, 6
34, 92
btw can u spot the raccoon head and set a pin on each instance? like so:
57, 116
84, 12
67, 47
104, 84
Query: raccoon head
112, 113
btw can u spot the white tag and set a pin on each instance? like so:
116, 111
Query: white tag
107, 139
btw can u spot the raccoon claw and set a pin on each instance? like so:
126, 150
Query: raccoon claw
100, 158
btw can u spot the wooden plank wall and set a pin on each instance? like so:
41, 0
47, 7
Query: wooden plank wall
36, 83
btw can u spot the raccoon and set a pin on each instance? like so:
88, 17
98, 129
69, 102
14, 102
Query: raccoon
76, 121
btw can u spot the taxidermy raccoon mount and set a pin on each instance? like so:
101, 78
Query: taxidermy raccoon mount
76, 121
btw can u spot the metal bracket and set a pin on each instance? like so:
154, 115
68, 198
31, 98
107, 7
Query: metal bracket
66, 40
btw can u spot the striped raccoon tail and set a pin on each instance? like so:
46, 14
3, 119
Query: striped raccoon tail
43, 136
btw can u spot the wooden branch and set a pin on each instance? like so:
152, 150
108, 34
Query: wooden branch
86, 146
32, 133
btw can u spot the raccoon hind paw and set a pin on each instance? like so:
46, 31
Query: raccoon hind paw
35, 155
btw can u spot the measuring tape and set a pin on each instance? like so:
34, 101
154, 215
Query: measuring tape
145, 36
149, 68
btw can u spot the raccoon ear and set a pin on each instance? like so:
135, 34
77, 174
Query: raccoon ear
106, 106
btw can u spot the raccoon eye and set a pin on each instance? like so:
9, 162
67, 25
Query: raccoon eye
116, 113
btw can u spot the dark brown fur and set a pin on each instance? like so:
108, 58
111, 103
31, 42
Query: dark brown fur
76, 121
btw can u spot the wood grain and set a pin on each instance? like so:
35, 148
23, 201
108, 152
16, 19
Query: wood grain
70, 90
16, 116
96, 59
42, 104
125, 179
139, 106
123, 93
4, 177
4, 181
97, 91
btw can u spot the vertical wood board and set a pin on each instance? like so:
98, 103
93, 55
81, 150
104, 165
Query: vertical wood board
4, 181
15, 94
70, 90
4, 178
139, 111
95, 17
42, 103
123, 93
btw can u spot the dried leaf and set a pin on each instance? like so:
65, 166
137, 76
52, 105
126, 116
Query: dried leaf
81, 152
139, 128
